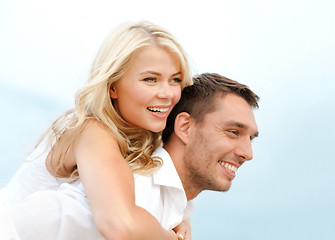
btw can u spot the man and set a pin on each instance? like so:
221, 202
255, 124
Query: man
212, 132
207, 138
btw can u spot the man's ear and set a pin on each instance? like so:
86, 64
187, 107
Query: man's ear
112, 93
182, 126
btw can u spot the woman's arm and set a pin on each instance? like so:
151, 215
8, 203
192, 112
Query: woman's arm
109, 184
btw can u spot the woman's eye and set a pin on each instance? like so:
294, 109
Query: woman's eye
178, 80
150, 79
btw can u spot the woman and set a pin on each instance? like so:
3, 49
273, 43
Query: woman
135, 81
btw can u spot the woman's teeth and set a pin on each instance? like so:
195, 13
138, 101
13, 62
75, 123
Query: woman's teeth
159, 110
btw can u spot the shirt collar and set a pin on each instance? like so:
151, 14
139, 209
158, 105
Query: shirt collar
167, 175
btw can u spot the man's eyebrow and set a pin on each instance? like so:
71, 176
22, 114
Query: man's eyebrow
237, 124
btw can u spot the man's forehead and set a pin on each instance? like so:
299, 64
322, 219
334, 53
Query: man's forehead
235, 110
231, 101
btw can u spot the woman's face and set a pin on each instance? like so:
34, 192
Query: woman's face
149, 89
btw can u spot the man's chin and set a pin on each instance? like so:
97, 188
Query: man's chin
223, 187
226, 187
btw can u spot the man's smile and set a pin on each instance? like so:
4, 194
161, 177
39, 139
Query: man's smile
230, 168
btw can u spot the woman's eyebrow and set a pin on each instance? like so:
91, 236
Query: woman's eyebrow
159, 74
151, 72
175, 74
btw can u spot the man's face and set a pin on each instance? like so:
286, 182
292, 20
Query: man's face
219, 145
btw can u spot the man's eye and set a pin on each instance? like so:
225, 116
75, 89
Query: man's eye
235, 132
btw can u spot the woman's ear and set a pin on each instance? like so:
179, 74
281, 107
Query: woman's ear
112, 93
182, 126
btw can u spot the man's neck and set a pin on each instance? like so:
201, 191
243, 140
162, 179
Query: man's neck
176, 152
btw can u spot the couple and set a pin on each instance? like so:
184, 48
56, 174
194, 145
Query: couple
207, 136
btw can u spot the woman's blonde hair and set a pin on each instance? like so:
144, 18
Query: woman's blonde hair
93, 99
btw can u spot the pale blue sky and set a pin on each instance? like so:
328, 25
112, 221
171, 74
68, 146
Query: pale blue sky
283, 50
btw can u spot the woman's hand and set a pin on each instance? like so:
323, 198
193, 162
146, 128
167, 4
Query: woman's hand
183, 230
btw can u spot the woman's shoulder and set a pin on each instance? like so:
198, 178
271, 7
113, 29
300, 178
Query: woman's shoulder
95, 129
96, 135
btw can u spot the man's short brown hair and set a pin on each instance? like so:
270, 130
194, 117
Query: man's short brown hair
198, 99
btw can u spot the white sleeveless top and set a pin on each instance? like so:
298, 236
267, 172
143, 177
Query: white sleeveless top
32, 176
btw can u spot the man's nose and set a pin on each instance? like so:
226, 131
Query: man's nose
244, 150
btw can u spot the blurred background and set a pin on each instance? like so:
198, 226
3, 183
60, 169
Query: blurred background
283, 50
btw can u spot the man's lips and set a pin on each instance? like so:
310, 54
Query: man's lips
229, 168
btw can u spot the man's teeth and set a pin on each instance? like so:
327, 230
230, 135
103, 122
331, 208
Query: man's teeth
228, 166
156, 109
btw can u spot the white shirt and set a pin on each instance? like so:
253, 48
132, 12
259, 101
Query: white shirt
66, 214
162, 193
